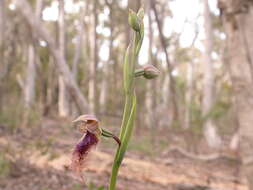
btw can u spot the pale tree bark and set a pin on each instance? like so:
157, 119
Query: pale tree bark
29, 84
238, 18
2, 26
93, 63
188, 95
63, 97
189, 86
150, 88
79, 43
78, 50
104, 87
26, 11
172, 88
106, 72
209, 128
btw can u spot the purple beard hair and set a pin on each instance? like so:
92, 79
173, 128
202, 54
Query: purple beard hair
81, 152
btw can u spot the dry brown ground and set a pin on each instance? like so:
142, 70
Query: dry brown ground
40, 157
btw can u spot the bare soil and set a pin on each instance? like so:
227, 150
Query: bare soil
39, 157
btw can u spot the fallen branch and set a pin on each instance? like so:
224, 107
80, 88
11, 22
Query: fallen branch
201, 157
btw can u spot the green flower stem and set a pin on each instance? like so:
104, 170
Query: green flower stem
129, 68
127, 125
122, 149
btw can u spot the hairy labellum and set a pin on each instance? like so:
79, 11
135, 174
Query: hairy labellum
81, 151
88, 125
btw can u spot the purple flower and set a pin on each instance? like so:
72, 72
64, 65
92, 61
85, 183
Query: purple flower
79, 156
89, 126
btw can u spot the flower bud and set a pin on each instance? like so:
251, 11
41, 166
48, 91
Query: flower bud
133, 20
150, 71
140, 14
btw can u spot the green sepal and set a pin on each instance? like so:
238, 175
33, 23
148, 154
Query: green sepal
134, 20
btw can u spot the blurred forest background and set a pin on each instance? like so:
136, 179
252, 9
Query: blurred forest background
63, 58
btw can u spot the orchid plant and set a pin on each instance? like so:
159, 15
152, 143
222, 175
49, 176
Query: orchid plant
89, 124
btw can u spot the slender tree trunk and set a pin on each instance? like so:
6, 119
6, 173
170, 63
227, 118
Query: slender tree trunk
238, 18
104, 88
78, 48
63, 99
172, 87
2, 26
188, 95
189, 87
209, 129
29, 85
76, 94
106, 75
106, 72
93, 64
150, 86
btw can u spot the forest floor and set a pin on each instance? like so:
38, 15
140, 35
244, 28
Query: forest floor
37, 158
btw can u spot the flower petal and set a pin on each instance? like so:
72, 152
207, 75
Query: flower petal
86, 123
81, 151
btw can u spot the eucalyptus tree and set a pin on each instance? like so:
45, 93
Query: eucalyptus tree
237, 16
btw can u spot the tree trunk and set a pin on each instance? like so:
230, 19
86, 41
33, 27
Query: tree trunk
172, 87
209, 129
60, 61
29, 85
78, 48
189, 86
78, 51
2, 26
93, 63
63, 98
151, 85
188, 95
238, 18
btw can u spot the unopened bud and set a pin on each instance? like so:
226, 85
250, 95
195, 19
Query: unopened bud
140, 13
134, 20
150, 71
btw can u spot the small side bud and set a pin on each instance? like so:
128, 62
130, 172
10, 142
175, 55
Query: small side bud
134, 20
141, 13
150, 71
